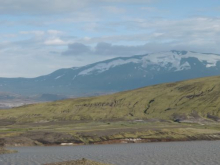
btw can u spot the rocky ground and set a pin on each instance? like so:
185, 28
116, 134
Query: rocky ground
4, 151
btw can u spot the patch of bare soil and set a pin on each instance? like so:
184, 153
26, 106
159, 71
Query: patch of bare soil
51, 138
18, 141
39, 138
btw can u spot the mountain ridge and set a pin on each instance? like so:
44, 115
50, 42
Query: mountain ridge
118, 74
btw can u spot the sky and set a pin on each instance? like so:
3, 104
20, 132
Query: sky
39, 37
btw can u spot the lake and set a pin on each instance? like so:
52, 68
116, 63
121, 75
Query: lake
167, 153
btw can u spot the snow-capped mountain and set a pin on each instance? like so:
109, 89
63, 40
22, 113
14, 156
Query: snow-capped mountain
118, 74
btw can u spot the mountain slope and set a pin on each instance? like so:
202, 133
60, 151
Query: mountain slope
118, 74
193, 100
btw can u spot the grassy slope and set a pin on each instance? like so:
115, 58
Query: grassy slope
159, 101
187, 99
112, 118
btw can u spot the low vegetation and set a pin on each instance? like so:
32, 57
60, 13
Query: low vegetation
188, 110
4, 151
173, 101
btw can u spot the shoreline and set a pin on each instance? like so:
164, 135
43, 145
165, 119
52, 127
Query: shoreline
76, 134
116, 141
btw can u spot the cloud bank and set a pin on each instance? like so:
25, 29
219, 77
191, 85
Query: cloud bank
46, 35
13, 7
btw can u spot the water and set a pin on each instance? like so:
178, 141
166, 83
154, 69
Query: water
168, 153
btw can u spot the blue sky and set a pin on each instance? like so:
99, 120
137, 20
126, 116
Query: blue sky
38, 37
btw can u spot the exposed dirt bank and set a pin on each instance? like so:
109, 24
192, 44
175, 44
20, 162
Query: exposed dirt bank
51, 138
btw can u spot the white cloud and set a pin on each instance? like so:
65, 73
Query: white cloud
40, 6
37, 33
36, 61
41, 38
55, 41
14, 7
114, 9
55, 32
91, 30
40, 33
8, 35
149, 9
200, 34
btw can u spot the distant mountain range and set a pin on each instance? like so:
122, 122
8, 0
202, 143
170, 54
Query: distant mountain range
118, 74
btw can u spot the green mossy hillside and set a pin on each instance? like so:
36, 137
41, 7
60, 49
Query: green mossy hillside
194, 100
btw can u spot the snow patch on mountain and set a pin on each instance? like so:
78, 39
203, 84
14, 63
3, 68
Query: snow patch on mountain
164, 59
210, 59
101, 67
74, 77
168, 60
59, 77
184, 66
